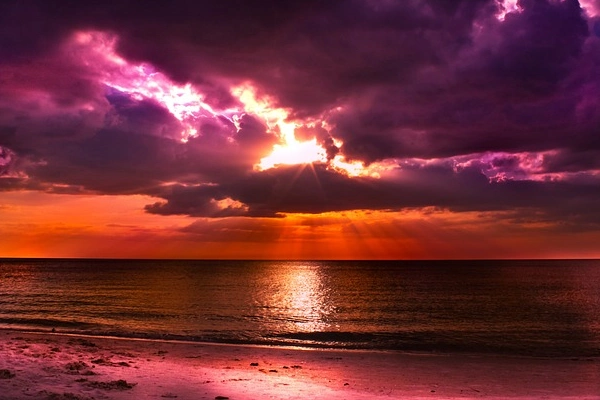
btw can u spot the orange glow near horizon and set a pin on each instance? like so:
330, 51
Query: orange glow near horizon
52, 225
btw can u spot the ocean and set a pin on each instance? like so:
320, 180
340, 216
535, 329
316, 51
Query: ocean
541, 308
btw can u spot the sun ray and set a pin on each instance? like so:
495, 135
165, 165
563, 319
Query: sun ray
317, 180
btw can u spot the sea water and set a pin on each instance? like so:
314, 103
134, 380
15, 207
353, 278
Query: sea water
547, 308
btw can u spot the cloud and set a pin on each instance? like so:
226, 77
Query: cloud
467, 111
234, 230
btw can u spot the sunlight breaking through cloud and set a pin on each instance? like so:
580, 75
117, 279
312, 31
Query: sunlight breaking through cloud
143, 81
506, 7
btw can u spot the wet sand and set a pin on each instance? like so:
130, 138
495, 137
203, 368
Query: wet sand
65, 367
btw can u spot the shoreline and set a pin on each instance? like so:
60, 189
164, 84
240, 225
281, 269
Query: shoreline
300, 347
68, 366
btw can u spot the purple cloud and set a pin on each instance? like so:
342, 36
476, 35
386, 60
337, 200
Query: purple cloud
467, 110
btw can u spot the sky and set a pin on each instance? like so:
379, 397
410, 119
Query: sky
314, 129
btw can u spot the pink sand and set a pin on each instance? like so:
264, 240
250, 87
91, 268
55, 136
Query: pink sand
65, 367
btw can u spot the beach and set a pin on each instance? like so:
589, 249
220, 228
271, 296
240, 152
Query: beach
47, 365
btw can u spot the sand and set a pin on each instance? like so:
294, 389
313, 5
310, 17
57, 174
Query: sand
66, 367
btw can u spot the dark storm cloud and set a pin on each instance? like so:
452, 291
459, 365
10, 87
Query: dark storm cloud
534, 50
135, 150
25, 30
507, 88
573, 162
298, 189
140, 115
432, 81
199, 201
310, 54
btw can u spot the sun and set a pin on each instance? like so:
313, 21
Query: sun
294, 152
289, 151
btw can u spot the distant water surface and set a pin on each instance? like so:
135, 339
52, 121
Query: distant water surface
538, 308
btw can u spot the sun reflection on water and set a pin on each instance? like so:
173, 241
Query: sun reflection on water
302, 297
